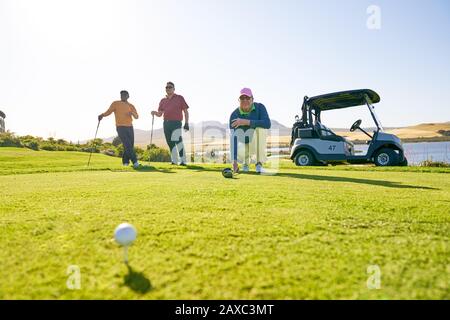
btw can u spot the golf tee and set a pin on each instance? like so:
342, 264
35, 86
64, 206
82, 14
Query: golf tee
125, 254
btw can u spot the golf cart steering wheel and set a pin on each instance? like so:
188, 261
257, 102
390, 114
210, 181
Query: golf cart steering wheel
356, 125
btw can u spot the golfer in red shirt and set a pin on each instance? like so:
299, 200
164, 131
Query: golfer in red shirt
172, 107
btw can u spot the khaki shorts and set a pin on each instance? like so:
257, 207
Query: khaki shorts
256, 150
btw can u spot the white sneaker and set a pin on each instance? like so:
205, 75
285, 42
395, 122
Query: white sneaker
259, 168
136, 165
245, 168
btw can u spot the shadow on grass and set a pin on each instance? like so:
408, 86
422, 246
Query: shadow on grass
147, 168
137, 281
200, 168
383, 183
212, 169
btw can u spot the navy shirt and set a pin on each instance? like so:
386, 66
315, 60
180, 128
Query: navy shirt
259, 117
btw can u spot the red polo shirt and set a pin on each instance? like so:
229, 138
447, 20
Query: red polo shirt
173, 107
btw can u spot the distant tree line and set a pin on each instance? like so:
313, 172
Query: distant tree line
444, 132
114, 149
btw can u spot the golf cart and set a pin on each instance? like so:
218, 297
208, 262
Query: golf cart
313, 143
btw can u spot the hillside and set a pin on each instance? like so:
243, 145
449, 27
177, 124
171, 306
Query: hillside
420, 132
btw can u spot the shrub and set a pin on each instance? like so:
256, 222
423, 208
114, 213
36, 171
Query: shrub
119, 151
33, 145
96, 142
431, 163
156, 154
71, 148
108, 145
116, 141
49, 147
139, 153
87, 149
62, 142
8, 139
109, 152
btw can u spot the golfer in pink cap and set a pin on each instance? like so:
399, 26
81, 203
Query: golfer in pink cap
248, 123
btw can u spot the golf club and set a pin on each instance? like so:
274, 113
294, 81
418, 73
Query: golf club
151, 134
90, 155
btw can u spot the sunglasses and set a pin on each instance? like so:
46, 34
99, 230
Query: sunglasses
168, 87
244, 98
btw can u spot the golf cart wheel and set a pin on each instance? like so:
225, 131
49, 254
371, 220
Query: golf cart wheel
404, 163
386, 157
304, 158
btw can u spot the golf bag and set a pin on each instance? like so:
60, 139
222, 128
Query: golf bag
302, 127
295, 131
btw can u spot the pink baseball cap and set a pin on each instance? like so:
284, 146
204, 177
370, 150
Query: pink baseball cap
246, 92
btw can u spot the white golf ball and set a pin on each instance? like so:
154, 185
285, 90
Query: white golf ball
125, 234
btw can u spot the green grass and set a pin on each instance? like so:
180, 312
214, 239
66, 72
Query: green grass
301, 234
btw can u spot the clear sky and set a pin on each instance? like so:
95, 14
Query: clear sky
62, 62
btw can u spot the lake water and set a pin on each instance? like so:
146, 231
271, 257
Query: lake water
421, 151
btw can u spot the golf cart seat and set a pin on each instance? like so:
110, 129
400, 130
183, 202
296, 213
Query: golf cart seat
327, 134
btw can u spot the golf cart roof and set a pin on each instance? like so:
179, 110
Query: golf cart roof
343, 99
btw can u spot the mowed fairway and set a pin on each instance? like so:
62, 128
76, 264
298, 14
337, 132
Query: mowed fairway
302, 234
